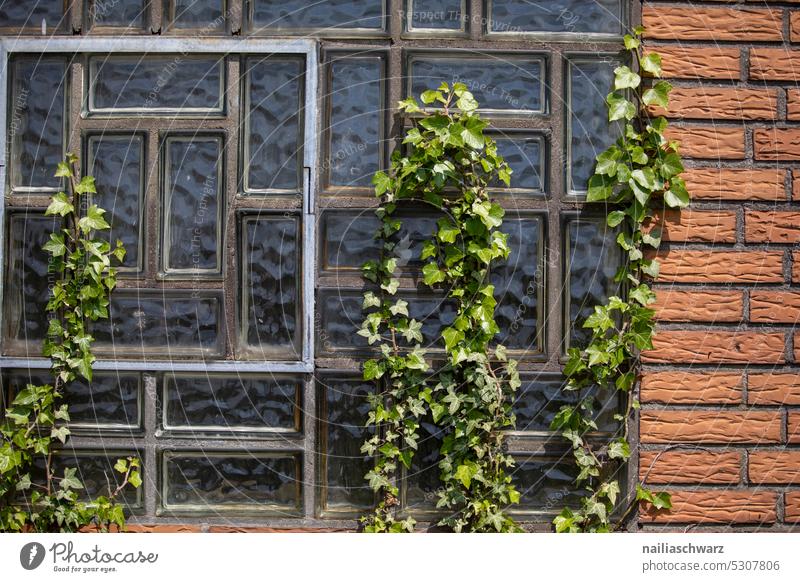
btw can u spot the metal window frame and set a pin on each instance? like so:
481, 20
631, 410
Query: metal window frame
308, 49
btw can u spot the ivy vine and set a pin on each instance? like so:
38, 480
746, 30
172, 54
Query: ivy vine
36, 420
449, 165
636, 176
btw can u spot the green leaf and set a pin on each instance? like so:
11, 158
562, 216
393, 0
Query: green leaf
619, 107
70, 481
60, 205
615, 218
624, 78
465, 473
631, 42
63, 170
86, 186
431, 274
93, 220
135, 479
658, 94
651, 63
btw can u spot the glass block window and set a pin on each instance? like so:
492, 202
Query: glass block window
233, 145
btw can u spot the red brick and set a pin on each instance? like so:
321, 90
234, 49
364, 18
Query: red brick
238, 529
710, 426
794, 25
774, 467
677, 387
686, 62
713, 306
716, 507
774, 306
777, 143
793, 428
793, 104
688, 467
716, 347
773, 388
735, 184
720, 103
762, 226
682, 266
792, 506
708, 142
774, 64
695, 226
687, 22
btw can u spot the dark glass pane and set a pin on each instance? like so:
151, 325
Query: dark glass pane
109, 399
203, 14
29, 279
349, 239
270, 274
36, 121
192, 204
545, 484
231, 402
437, 14
274, 94
162, 324
95, 469
525, 156
30, 14
592, 257
123, 13
518, 286
160, 84
202, 481
599, 16
503, 83
343, 430
590, 132
341, 317
422, 479
321, 14
540, 398
356, 121
116, 164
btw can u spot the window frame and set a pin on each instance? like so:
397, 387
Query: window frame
85, 45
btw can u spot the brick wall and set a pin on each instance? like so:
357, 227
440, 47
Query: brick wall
720, 419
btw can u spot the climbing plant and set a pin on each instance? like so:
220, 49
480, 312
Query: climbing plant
33, 496
447, 163
635, 177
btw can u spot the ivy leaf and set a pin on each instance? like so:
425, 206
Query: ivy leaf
431, 274
93, 220
600, 188
135, 479
619, 107
615, 218
624, 78
399, 308
55, 246
658, 94
70, 481
86, 186
370, 300
63, 170
631, 42
677, 196
465, 473
60, 205
651, 63
671, 165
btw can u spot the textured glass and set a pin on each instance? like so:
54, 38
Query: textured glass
163, 324
590, 131
205, 481
437, 14
122, 13
110, 399
320, 14
31, 13
503, 82
270, 262
525, 157
274, 146
540, 398
343, 431
349, 239
193, 204
36, 121
518, 286
584, 16
356, 117
242, 402
27, 287
341, 316
95, 469
592, 257
116, 162
161, 84
203, 14
545, 484
422, 478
